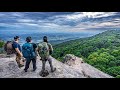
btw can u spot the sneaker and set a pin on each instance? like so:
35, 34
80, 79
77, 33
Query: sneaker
53, 70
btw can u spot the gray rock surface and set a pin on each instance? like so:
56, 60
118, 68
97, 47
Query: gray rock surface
9, 69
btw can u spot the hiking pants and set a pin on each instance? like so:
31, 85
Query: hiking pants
28, 63
44, 62
18, 58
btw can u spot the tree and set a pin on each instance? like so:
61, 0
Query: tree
115, 53
114, 71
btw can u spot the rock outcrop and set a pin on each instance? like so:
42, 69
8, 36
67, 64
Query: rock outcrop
79, 69
84, 68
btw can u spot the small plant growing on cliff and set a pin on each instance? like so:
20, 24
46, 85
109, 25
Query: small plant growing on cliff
1, 46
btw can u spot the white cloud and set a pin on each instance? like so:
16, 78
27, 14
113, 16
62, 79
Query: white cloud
98, 14
1, 14
82, 15
83, 27
11, 15
17, 14
30, 24
74, 16
13, 25
25, 20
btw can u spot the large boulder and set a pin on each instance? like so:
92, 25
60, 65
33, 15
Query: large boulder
71, 60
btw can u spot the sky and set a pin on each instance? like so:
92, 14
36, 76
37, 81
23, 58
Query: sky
60, 21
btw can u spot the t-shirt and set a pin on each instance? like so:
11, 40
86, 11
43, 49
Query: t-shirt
16, 45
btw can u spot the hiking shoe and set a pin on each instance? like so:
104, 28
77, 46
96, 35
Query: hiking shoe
53, 70
25, 70
20, 65
34, 69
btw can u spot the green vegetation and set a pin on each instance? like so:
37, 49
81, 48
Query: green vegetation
1, 46
101, 51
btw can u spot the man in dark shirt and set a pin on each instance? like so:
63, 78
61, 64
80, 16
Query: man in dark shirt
18, 50
29, 59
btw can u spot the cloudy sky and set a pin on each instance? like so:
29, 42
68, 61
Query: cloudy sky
60, 21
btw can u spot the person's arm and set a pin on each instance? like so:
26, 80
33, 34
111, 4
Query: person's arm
36, 50
15, 45
50, 48
18, 51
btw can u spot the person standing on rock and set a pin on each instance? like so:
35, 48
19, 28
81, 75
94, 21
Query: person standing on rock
45, 49
29, 52
18, 50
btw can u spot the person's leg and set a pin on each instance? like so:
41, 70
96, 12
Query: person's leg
34, 64
27, 64
44, 72
18, 58
50, 62
51, 66
43, 65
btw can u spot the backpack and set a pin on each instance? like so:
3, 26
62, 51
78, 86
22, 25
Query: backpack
8, 47
27, 50
43, 50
